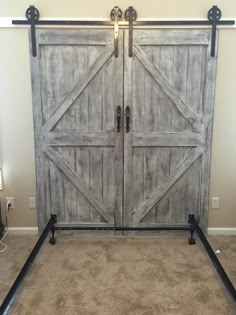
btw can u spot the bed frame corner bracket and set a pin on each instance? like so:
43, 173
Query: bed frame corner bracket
52, 239
191, 221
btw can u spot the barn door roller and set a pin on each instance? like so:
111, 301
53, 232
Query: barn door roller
130, 16
116, 15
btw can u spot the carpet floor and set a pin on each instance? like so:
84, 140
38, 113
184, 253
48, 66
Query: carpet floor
131, 275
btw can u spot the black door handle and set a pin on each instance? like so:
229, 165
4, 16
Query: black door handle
118, 117
127, 114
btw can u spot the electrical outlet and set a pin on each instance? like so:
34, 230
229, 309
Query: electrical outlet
215, 202
32, 203
12, 201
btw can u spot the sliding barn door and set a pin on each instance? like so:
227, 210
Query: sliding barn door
169, 87
77, 86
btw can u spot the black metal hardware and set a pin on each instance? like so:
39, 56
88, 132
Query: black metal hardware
52, 239
32, 14
10, 296
118, 118
127, 114
135, 23
122, 228
116, 15
113, 14
130, 16
214, 15
216, 263
130, 13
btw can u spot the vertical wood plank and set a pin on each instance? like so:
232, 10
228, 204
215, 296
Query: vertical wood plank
150, 125
80, 58
194, 98
150, 180
165, 63
53, 72
137, 179
108, 178
66, 76
138, 114
178, 123
96, 179
95, 123
39, 155
82, 170
128, 161
209, 97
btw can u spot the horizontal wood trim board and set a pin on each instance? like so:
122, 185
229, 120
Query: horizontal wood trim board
75, 37
170, 92
78, 88
167, 184
171, 37
176, 139
89, 139
79, 184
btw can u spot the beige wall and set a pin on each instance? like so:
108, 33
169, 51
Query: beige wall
16, 129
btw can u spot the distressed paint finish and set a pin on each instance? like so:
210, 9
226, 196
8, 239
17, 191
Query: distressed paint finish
79, 151
170, 89
88, 173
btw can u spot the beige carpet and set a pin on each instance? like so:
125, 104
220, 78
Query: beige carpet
162, 275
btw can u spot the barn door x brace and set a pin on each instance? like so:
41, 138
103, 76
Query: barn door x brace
129, 19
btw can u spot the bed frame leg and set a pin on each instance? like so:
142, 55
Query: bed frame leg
191, 240
52, 239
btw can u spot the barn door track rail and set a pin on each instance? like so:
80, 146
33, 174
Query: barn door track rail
130, 19
52, 226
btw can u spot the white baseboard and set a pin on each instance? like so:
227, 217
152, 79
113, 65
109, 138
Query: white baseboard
221, 231
23, 230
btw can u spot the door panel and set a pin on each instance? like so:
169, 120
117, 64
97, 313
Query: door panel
166, 150
80, 151
158, 172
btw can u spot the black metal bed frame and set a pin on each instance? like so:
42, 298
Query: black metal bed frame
52, 226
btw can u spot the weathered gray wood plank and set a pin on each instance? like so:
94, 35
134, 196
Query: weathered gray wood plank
53, 93
171, 37
161, 139
172, 94
81, 139
209, 98
78, 88
74, 37
39, 155
194, 97
96, 181
178, 79
164, 63
78, 183
128, 91
167, 184
82, 171
65, 75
